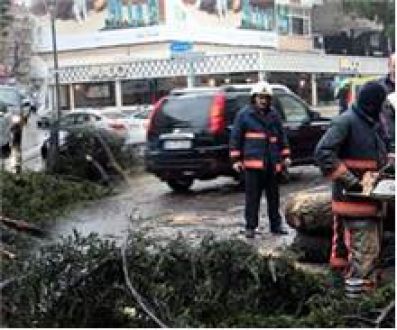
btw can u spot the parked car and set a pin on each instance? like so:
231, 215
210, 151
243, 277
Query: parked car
5, 129
188, 133
14, 112
112, 122
138, 122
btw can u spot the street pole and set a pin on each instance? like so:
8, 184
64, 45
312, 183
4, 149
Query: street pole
191, 74
54, 139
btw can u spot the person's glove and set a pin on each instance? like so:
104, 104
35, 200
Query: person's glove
238, 166
350, 182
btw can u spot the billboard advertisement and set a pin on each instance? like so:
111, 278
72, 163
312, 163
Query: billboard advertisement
241, 22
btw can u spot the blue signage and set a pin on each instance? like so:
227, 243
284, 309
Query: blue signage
181, 46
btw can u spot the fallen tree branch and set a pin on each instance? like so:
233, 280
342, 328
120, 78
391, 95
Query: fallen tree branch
22, 225
7, 254
9, 281
112, 159
134, 293
359, 318
384, 313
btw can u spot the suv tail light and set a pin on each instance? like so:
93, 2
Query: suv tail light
217, 114
152, 115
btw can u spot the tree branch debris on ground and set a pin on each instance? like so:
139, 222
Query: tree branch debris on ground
91, 282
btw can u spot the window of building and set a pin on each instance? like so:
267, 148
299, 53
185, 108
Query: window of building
164, 85
136, 92
226, 79
293, 20
257, 15
283, 19
99, 94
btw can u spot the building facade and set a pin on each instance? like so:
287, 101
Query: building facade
123, 54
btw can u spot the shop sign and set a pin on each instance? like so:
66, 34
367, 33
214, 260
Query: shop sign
108, 72
349, 65
181, 46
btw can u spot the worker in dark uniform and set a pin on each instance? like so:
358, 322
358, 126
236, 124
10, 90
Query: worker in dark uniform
259, 146
352, 146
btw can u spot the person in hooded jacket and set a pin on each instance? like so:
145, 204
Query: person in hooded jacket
259, 146
353, 146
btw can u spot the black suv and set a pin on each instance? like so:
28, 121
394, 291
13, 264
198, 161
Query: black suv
188, 132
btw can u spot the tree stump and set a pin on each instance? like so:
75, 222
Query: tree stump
310, 213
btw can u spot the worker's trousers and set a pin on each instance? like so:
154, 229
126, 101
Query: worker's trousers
255, 182
359, 257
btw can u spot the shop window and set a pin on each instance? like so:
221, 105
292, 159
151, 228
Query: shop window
64, 97
101, 94
135, 92
164, 85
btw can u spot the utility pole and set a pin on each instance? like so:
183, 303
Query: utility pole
54, 137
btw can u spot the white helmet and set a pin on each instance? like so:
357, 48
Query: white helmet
262, 87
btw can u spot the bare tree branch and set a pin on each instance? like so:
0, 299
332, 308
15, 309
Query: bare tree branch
134, 292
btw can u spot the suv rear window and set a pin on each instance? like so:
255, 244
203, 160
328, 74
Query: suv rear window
185, 111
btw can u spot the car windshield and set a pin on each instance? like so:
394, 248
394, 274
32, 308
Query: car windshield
9, 96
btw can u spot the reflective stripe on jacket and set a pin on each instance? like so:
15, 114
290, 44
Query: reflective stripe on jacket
258, 140
352, 143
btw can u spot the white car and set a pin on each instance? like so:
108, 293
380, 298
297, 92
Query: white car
114, 122
138, 123
13, 112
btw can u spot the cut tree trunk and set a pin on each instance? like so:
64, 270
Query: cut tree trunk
310, 213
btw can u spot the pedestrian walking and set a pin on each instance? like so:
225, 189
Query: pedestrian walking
343, 96
259, 147
351, 149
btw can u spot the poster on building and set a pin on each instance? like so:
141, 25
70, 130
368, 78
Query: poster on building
237, 14
199, 20
94, 15
114, 14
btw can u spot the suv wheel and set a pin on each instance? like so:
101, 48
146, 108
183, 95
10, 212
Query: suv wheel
180, 185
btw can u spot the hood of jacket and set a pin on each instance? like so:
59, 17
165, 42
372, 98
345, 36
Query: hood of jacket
370, 100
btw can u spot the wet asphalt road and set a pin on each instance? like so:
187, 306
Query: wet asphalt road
215, 206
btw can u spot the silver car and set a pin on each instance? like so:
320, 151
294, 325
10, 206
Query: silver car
12, 114
113, 122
